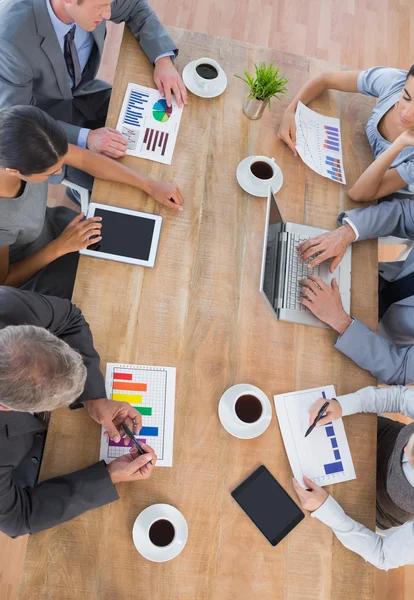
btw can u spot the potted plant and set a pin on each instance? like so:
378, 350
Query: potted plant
267, 83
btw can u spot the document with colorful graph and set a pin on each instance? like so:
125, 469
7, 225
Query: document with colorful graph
324, 455
149, 124
151, 390
318, 142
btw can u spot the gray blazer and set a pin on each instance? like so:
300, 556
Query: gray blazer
32, 67
25, 508
390, 356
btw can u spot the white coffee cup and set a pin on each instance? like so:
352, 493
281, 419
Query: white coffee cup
158, 546
206, 84
241, 412
257, 181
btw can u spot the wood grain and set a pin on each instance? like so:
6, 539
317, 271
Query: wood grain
200, 310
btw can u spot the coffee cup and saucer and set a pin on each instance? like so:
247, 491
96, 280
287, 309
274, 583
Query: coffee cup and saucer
256, 173
160, 532
245, 411
204, 77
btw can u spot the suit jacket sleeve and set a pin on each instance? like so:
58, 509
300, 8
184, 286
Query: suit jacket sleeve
375, 353
16, 77
145, 25
395, 217
30, 510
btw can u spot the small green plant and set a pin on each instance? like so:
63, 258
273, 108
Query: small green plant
267, 83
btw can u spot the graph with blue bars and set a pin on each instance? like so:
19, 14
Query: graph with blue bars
135, 108
336, 466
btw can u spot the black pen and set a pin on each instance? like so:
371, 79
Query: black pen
133, 440
318, 417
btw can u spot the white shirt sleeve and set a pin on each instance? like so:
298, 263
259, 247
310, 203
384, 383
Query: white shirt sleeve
347, 220
395, 550
394, 399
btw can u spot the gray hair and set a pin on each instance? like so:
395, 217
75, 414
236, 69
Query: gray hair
38, 371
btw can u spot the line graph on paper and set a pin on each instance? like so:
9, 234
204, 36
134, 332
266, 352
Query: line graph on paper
307, 142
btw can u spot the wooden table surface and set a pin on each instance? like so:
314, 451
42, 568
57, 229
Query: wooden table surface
201, 311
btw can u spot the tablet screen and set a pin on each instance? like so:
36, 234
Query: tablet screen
124, 235
270, 508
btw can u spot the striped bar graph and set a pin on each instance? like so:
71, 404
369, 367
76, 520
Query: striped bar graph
156, 141
131, 398
335, 467
135, 108
130, 387
331, 141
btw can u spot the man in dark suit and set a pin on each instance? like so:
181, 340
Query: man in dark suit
47, 360
50, 54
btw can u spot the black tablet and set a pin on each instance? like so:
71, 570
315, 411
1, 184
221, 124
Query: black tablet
270, 508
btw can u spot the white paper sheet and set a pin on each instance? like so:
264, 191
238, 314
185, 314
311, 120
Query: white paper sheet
318, 142
150, 126
152, 391
324, 455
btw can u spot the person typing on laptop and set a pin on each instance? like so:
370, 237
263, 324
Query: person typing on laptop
395, 480
389, 354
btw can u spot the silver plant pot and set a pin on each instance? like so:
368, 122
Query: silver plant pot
253, 109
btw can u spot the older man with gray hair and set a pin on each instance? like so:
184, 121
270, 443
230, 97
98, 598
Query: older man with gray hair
47, 361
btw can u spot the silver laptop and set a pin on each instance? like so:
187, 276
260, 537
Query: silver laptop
282, 268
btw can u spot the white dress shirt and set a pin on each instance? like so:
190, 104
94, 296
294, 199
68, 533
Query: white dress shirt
397, 548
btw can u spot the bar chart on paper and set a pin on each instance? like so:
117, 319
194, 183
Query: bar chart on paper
151, 391
324, 455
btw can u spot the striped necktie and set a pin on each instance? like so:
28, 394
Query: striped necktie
71, 57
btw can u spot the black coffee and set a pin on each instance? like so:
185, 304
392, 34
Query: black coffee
162, 532
262, 170
248, 408
207, 71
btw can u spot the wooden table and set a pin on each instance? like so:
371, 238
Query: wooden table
200, 310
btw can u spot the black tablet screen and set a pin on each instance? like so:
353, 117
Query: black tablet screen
124, 235
268, 505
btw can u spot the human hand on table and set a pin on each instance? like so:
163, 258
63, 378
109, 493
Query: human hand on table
333, 412
107, 141
77, 234
312, 498
132, 466
328, 245
111, 414
168, 194
168, 81
287, 130
324, 301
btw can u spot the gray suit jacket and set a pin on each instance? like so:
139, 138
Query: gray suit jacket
390, 356
23, 508
32, 67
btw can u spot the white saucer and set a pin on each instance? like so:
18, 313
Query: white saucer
242, 178
244, 431
144, 521
220, 83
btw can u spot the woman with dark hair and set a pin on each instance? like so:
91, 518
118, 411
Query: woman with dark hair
39, 245
389, 129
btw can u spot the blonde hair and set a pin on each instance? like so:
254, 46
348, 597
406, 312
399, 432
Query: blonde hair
410, 450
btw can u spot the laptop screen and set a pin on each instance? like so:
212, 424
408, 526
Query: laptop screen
270, 277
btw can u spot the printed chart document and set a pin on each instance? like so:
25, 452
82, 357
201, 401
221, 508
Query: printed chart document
318, 142
324, 455
151, 390
150, 126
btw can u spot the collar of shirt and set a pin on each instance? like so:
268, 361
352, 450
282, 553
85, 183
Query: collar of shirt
61, 29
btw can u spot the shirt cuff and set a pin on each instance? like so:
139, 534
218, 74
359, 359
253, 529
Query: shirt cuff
82, 137
347, 220
330, 513
170, 54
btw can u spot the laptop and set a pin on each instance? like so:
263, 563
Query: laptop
282, 268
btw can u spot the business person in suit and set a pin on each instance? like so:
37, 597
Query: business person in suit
50, 54
47, 361
395, 480
389, 354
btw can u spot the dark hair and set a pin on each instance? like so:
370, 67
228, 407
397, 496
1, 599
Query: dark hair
30, 141
410, 72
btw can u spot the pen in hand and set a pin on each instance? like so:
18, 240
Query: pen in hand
318, 417
133, 440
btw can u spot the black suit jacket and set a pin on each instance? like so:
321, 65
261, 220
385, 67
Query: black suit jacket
23, 508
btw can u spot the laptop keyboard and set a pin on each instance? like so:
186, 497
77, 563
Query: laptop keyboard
297, 270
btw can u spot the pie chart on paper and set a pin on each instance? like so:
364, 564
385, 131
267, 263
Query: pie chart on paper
161, 111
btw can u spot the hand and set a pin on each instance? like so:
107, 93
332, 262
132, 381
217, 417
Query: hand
132, 466
168, 194
107, 141
312, 498
287, 130
406, 138
325, 302
168, 80
77, 234
333, 412
111, 414
328, 245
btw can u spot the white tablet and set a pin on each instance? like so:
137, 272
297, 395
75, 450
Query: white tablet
128, 236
